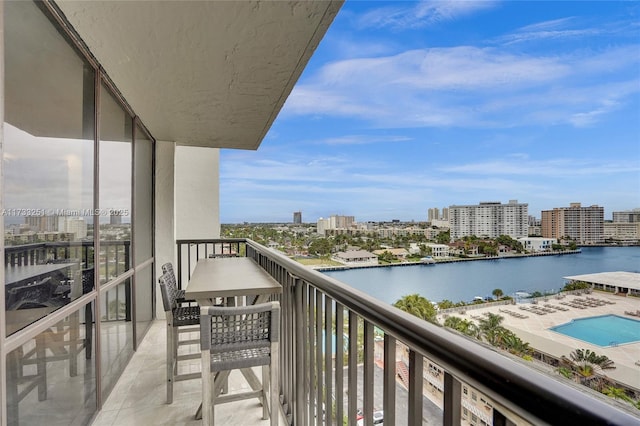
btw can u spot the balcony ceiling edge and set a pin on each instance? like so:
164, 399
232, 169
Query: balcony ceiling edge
208, 74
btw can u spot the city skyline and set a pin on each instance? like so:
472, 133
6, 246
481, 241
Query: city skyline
411, 105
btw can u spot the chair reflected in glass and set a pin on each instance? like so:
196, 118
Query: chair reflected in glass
234, 338
180, 319
88, 284
35, 295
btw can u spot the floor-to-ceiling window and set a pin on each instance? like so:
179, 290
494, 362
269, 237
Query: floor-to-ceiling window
115, 200
78, 180
48, 166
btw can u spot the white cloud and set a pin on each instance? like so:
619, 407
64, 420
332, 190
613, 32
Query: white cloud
551, 168
423, 14
365, 139
471, 87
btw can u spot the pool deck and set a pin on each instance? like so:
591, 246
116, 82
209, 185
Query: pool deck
535, 329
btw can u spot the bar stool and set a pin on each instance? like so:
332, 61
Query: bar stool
170, 280
239, 338
180, 319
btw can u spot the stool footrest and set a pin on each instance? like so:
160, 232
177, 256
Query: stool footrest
223, 399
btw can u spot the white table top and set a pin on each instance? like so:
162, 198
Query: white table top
229, 277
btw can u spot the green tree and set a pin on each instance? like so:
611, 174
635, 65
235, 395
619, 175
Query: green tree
497, 293
617, 393
443, 237
464, 326
491, 328
386, 257
514, 344
321, 247
587, 363
446, 304
418, 306
453, 322
566, 372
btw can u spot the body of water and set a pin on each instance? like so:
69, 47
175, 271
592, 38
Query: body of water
462, 281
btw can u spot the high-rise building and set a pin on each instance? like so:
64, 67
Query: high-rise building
297, 217
73, 225
433, 214
341, 222
584, 225
115, 219
42, 223
489, 219
322, 225
629, 216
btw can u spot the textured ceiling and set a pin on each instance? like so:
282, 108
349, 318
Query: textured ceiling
207, 73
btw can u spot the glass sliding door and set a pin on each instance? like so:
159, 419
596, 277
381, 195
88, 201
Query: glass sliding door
49, 217
71, 304
115, 182
47, 166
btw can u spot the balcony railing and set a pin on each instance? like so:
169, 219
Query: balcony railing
319, 313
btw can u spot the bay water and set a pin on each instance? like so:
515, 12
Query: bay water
462, 281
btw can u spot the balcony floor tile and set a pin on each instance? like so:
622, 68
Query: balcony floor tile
139, 397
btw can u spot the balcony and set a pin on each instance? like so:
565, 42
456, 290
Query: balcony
314, 307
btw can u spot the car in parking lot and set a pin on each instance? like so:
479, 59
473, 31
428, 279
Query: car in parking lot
378, 418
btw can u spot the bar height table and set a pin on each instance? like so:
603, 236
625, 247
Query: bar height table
230, 278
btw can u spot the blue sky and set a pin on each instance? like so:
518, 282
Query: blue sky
411, 105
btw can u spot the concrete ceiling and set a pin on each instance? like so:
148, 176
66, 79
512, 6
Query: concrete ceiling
203, 73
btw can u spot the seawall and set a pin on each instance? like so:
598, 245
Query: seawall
448, 260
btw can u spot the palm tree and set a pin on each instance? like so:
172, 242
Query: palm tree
498, 293
470, 329
464, 326
587, 363
515, 345
586, 356
491, 329
453, 322
418, 306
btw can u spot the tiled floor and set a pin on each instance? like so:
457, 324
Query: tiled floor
139, 397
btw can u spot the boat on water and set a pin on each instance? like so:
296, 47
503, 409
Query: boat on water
427, 260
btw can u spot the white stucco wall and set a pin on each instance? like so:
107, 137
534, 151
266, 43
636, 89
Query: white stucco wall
165, 213
197, 204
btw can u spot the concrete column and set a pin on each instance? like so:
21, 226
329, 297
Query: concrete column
187, 200
165, 213
197, 192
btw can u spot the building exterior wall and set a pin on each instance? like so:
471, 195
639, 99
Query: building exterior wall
165, 212
624, 232
322, 225
297, 217
584, 225
356, 258
489, 219
534, 244
439, 250
433, 214
629, 216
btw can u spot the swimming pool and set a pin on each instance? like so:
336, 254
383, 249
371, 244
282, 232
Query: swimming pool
605, 330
